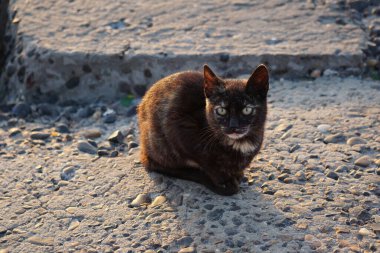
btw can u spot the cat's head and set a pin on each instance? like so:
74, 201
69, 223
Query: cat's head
235, 108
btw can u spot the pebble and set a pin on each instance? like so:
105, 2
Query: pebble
283, 127
14, 131
187, 250
91, 133
342, 168
282, 176
114, 153
86, 147
332, 175
73, 225
44, 241
158, 201
334, 138
363, 161
68, 173
62, 128
103, 152
316, 73
39, 136
132, 144
21, 110
364, 232
141, 199
116, 137
324, 128
355, 140
109, 116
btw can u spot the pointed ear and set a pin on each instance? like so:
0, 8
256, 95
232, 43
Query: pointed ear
212, 83
258, 83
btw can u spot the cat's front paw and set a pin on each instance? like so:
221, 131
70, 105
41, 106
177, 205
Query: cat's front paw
228, 187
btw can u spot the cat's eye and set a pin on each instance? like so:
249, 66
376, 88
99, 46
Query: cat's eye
221, 111
247, 110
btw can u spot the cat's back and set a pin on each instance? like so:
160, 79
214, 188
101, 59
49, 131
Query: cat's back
178, 92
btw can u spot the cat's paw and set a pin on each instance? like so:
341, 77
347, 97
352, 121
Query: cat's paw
228, 187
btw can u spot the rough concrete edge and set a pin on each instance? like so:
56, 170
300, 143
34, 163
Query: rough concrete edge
105, 74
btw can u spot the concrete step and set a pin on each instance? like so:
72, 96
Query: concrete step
84, 50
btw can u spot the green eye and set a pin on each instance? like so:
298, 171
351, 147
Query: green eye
247, 110
221, 111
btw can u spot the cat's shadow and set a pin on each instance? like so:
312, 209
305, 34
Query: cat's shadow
245, 222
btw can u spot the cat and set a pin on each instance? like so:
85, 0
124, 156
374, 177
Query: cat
203, 128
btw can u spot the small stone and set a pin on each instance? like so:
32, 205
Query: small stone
72, 209
86, 147
116, 137
85, 112
300, 176
158, 201
334, 138
363, 161
271, 176
268, 191
39, 136
342, 168
141, 199
14, 131
316, 73
44, 241
324, 128
364, 232
91, 133
332, 175
103, 152
73, 225
294, 148
376, 227
282, 176
4, 251
21, 110
187, 250
68, 173
288, 180
114, 153
109, 116
62, 128
132, 144
355, 140
283, 127
342, 230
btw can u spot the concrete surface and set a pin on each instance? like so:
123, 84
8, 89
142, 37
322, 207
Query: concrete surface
85, 50
314, 187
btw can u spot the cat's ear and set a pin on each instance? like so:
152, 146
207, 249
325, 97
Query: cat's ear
258, 83
212, 84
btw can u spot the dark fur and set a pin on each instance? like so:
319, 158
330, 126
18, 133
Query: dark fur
176, 127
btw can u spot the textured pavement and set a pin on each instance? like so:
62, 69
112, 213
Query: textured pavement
314, 187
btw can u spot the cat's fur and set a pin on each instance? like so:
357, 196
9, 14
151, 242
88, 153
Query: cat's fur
192, 126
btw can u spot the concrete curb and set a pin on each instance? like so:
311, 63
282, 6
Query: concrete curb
45, 69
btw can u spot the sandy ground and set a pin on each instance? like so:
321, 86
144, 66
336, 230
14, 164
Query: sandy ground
314, 187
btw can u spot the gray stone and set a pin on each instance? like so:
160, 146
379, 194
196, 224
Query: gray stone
68, 173
116, 137
332, 175
140, 200
39, 136
355, 140
91, 133
187, 250
334, 138
86, 147
132, 144
324, 128
109, 116
283, 127
62, 128
363, 161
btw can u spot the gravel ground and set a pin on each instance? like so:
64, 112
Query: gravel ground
314, 187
